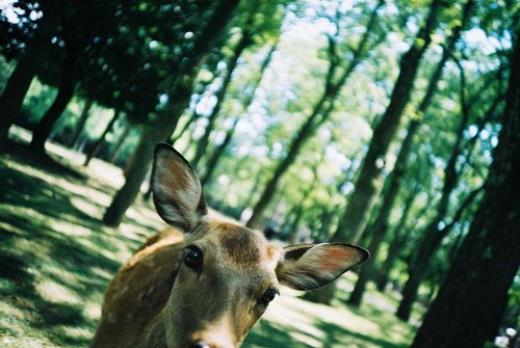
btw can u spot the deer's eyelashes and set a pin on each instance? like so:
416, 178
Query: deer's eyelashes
194, 258
268, 296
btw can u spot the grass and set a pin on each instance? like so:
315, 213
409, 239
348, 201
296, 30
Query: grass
56, 258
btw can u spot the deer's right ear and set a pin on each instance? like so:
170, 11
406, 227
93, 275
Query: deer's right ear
177, 191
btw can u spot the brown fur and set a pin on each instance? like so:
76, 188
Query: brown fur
139, 292
163, 297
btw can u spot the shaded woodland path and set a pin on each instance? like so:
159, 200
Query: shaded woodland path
57, 258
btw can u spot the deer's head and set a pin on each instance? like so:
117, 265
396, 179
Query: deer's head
227, 274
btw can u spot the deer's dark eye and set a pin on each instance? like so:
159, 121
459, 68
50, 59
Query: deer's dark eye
194, 258
268, 296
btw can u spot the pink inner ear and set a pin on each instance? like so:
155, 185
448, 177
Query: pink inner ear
339, 257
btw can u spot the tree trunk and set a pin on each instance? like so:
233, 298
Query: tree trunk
211, 164
164, 126
18, 84
120, 141
471, 302
219, 151
252, 192
429, 245
85, 113
396, 243
356, 212
97, 146
143, 154
203, 142
194, 115
320, 113
380, 226
65, 94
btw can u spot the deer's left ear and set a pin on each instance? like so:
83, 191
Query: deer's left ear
310, 266
177, 192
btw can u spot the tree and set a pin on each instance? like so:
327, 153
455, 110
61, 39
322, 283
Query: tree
66, 90
85, 113
471, 302
322, 109
97, 145
435, 232
376, 231
356, 212
245, 41
217, 153
26, 68
164, 125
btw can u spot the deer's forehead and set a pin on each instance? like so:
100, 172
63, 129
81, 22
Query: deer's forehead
241, 246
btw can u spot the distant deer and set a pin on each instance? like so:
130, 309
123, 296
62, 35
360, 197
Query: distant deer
207, 290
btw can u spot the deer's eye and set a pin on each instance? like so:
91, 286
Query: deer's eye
194, 258
268, 296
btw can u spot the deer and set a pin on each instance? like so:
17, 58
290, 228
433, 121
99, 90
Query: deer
205, 280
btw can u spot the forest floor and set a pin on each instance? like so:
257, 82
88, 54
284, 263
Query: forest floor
56, 258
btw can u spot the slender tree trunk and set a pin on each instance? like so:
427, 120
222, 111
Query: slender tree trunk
18, 84
194, 115
203, 142
211, 164
471, 302
65, 94
213, 160
396, 243
164, 126
356, 212
420, 263
252, 192
80, 125
298, 214
120, 141
97, 146
379, 228
320, 113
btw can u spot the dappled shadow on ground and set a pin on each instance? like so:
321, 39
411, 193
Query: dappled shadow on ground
339, 336
55, 258
44, 161
326, 335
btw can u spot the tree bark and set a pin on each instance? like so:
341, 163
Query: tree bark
320, 113
472, 300
97, 146
85, 113
203, 142
120, 141
164, 126
378, 229
18, 84
65, 94
356, 212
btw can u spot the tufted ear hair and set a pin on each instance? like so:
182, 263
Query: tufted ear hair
177, 191
310, 266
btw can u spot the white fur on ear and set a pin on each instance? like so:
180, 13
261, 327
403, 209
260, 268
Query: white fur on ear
177, 190
310, 266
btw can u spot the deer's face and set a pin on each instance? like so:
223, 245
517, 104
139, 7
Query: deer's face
225, 281
227, 273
